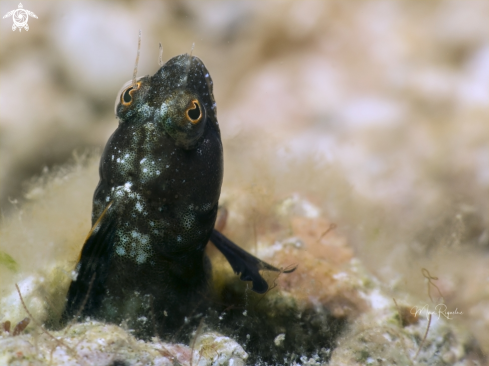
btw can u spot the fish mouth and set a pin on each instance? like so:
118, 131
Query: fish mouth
182, 71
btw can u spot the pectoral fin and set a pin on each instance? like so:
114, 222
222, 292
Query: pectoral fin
85, 293
243, 263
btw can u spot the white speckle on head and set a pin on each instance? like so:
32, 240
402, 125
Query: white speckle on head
158, 172
120, 250
167, 166
139, 207
74, 275
118, 160
126, 156
279, 339
145, 110
141, 257
142, 160
112, 157
163, 109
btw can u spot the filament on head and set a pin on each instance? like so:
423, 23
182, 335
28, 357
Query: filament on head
189, 60
134, 74
160, 59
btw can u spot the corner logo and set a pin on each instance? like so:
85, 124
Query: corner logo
20, 17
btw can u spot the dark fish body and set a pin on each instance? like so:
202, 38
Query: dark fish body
155, 207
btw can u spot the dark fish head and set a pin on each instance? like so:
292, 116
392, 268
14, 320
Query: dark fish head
178, 98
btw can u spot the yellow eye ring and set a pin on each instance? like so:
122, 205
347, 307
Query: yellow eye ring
194, 112
126, 95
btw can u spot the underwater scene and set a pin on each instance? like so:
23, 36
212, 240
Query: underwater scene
244, 183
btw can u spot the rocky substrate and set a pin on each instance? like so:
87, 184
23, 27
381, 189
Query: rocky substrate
329, 311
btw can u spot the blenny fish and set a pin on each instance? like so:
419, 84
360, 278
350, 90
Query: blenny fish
155, 207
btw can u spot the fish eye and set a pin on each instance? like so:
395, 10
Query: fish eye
126, 95
194, 112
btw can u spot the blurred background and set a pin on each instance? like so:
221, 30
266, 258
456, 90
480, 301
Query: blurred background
376, 111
